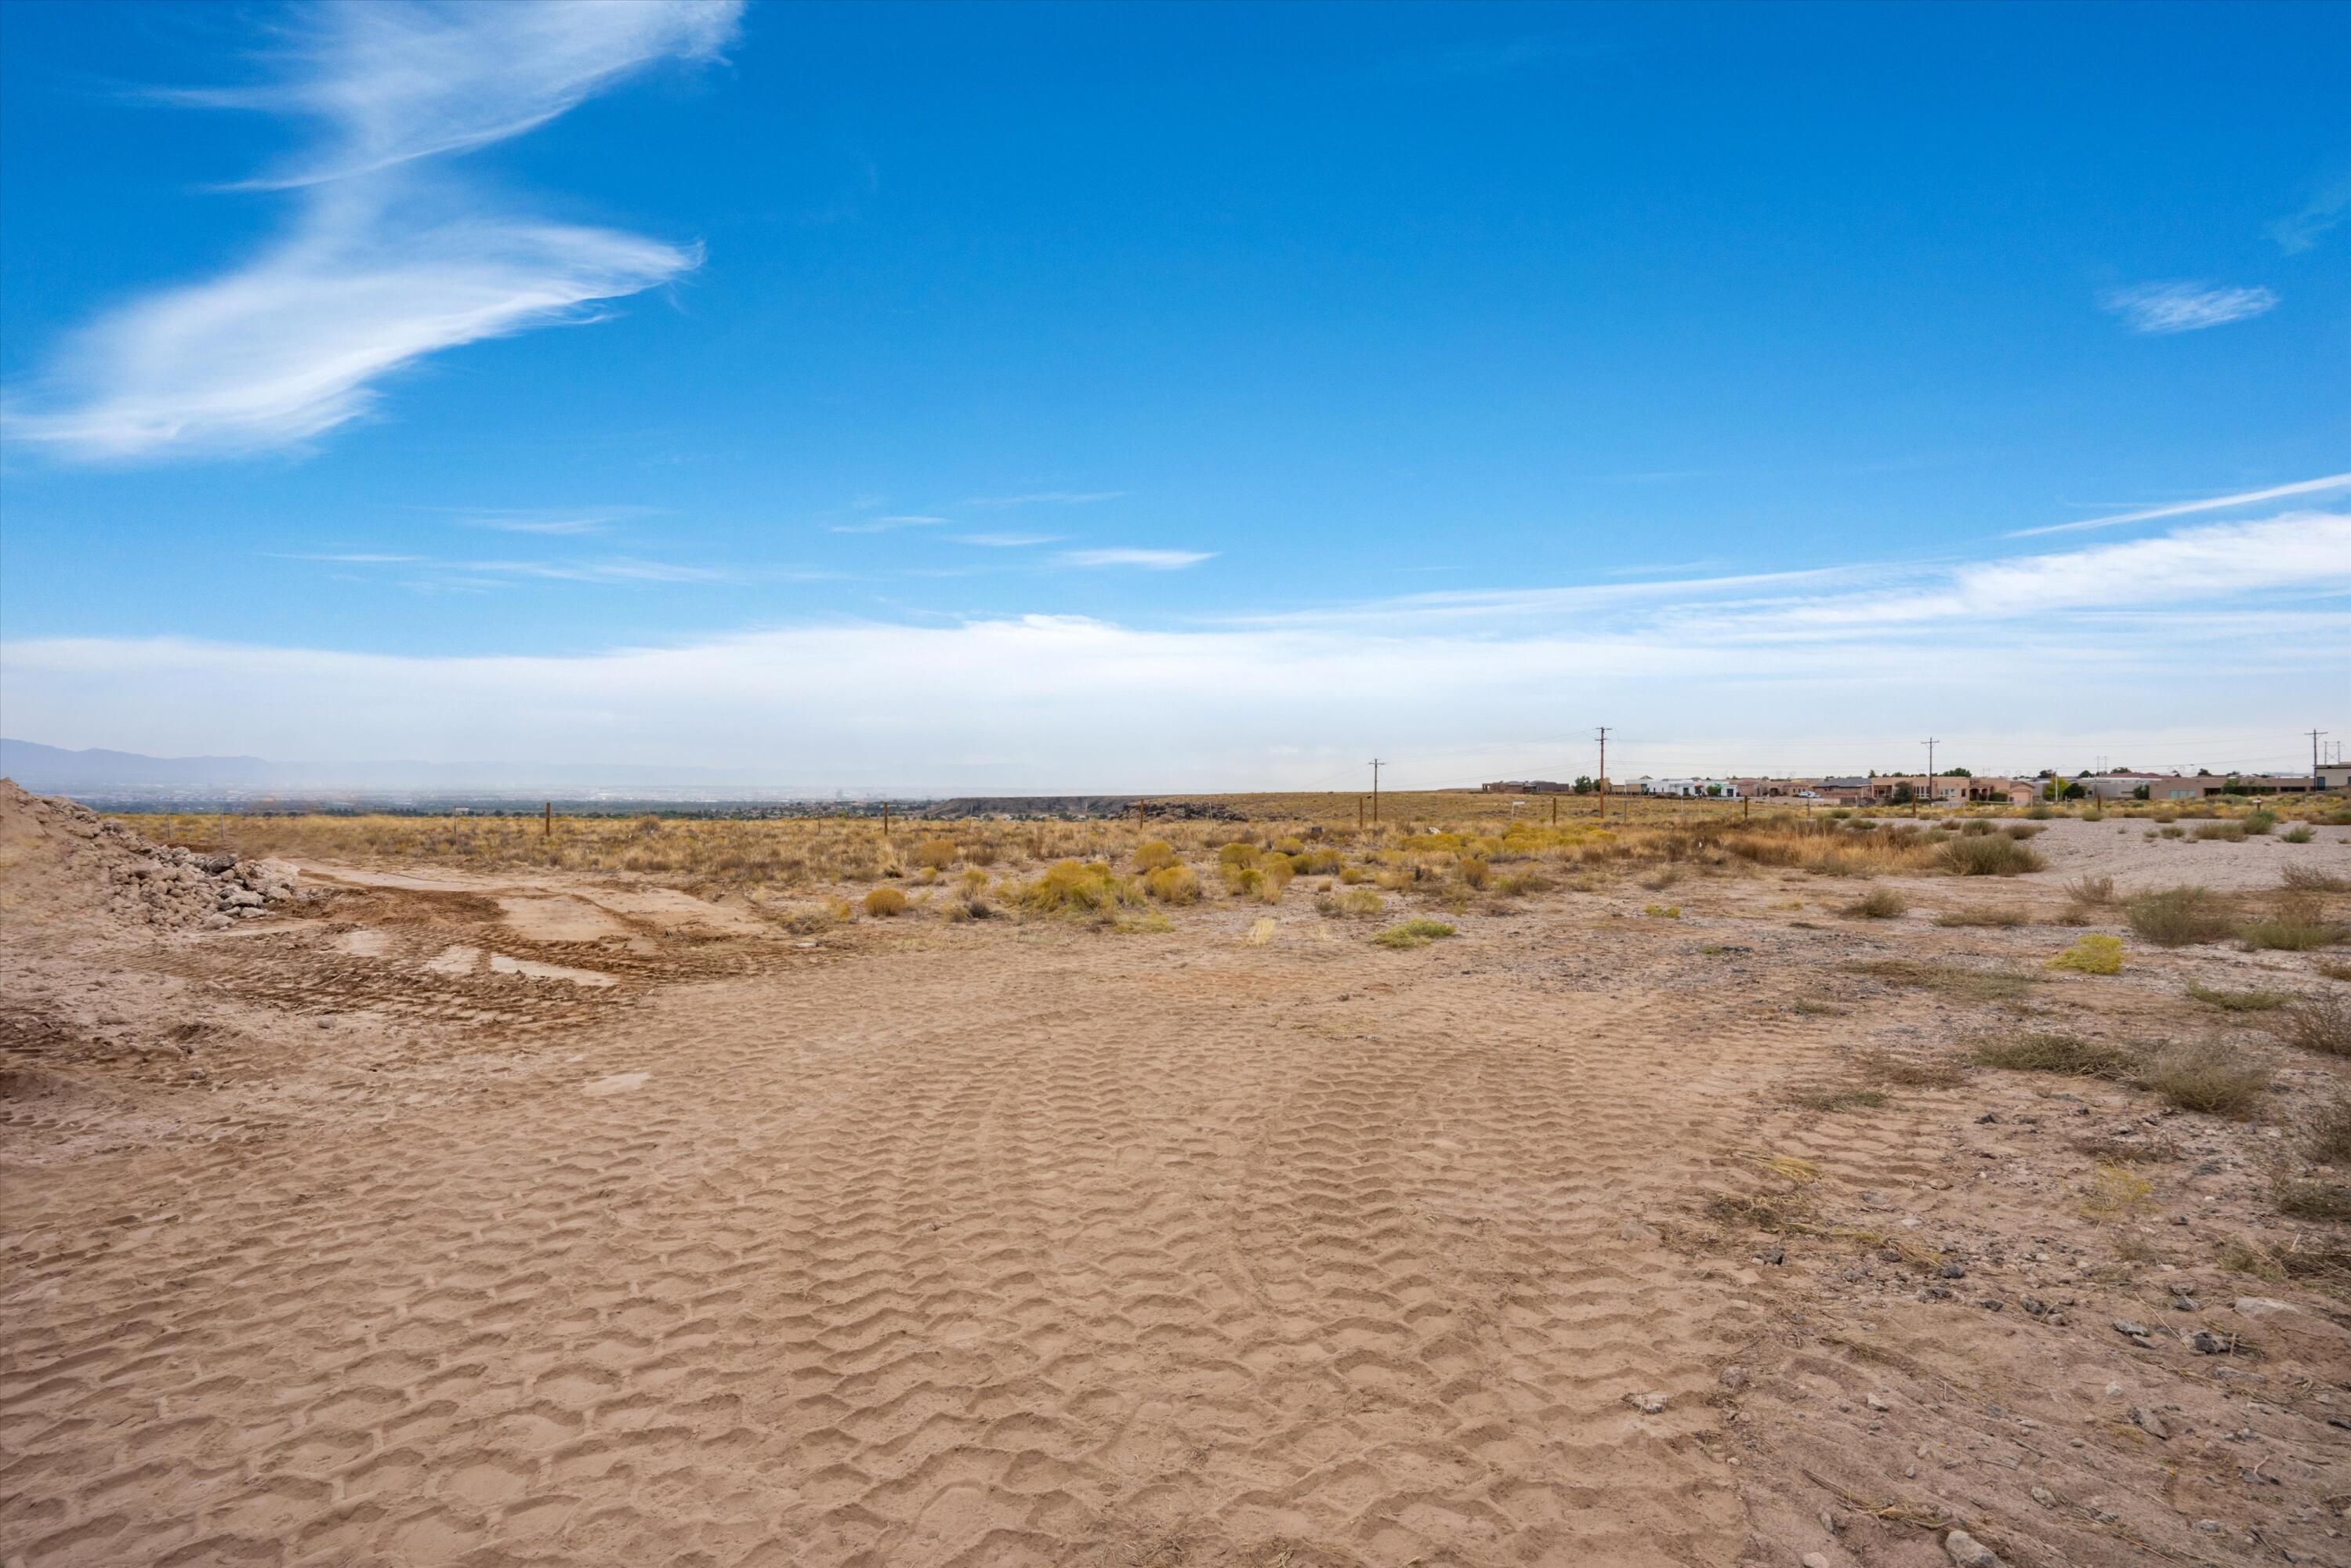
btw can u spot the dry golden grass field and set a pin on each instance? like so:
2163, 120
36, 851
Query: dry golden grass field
1689, 1189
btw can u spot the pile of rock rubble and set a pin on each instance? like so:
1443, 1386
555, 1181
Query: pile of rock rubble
59, 856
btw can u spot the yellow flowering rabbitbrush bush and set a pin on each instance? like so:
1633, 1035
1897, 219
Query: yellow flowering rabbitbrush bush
1078, 887
2093, 954
885, 902
1155, 854
1172, 885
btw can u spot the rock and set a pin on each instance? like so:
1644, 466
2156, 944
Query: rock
2044, 1496
1968, 1553
1880, 1402
1646, 1404
1772, 1255
2034, 1305
1633, 1230
1732, 1377
1815, 1560
2130, 1330
240, 898
2260, 1306
2183, 1303
1951, 1272
2204, 1342
2148, 1422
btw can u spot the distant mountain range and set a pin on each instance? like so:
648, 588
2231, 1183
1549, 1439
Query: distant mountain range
50, 770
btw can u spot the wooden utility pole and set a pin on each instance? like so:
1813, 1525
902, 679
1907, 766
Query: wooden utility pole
1375, 792
1604, 772
1554, 810
550, 820
886, 820
2313, 760
1141, 813
1359, 813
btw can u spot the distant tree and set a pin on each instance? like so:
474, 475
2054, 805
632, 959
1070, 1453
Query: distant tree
1901, 796
1583, 784
2140, 793
1955, 773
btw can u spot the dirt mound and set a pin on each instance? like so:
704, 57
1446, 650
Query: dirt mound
60, 859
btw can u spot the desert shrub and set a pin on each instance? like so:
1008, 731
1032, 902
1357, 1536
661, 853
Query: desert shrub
2286, 934
2259, 822
2329, 1140
2114, 1193
1242, 880
934, 854
2177, 916
1356, 903
2093, 954
2091, 890
1951, 980
1172, 885
2238, 1001
1072, 886
1475, 871
1989, 857
1155, 854
2321, 1023
2226, 832
1322, 861
2039, 813
1413, 933
1239, 854
2297, 835
1274, 877
2205, 1076
1879, 903
1662, 911
884, 902
2003, 914
2021, 832
980, 852
2171, 833
2313, 1200
2050, 1052
1350, 875
2310, 880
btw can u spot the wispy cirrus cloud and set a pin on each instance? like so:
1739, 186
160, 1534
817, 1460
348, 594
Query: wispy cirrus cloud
547, 522
385, 261
2163, 642
2185, 509
1048, 498
2165, 307
1007, 542
889, 525
2328, 205
1148, 559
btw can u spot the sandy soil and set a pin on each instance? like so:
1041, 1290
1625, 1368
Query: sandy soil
373, 1232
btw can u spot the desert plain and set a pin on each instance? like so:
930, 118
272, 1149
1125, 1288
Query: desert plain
1687, 1188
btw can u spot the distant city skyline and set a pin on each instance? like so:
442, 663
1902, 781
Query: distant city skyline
1142, 398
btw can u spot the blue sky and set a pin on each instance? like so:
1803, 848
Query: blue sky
1133, 397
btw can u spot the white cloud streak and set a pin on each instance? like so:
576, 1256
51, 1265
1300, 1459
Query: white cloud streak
2188, 509
1048, 498
888, 525
1808, 670
2328, 204
383, 264
1147, 559
2167, 307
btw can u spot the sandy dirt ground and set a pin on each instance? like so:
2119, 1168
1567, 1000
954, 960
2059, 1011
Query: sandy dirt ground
450, 1218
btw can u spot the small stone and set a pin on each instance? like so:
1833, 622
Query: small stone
2034, 1305
2206, 1342
2148, 1422
1633, 1230
1646, 1404
1816, 1560
1878, 1402
1950, 1271
1967, 1551
1732, 1377
1772, 1255
2130, 1330
2183, 1303
2044, 1496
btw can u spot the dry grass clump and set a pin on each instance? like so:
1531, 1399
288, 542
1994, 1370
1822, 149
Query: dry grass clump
1416, 932
1354, 904
2313, 1199
2321, 1023
2093, 954
2224, 832
936, 854
2296, 927
1078, 887
2003, 914
2051, 1052
2179, 917
885, 903
1877, 903
2114, 1193
2238, 1001
1662, 911
2329, 1139
1950, 980
2205, 1076
2091, 890
1172, 885
1155, 854
2297, 835
1989, 856
2311, 880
